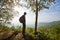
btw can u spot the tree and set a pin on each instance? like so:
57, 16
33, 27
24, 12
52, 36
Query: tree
5, 16
6, 10
5, 13
37, 5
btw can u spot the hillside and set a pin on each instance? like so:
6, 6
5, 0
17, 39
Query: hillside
49, 24
44, 33
46, 24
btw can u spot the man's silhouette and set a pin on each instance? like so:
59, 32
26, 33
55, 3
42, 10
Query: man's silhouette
22, 20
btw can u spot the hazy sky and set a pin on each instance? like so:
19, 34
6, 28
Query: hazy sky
47, 15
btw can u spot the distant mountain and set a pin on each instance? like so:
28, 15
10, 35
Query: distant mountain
45, 24
49, 24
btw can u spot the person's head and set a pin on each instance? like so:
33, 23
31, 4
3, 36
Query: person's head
24, 13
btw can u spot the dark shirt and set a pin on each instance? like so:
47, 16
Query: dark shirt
23, 17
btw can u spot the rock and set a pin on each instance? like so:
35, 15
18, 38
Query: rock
13, 35
19, 36
5, 34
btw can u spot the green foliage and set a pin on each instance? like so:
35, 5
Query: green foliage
19, 29
29, 30
6, 10
5, 15
41, 4
44, 32
5, 28
8, 2
50, 32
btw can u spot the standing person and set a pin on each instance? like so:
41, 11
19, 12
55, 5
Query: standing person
22, 20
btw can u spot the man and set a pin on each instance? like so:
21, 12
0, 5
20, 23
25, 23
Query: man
22, 20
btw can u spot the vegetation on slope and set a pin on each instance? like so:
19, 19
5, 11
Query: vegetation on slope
44, 32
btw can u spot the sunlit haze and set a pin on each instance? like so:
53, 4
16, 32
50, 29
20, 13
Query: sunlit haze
47, 15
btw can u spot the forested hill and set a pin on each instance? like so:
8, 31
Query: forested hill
49, 24
45, 23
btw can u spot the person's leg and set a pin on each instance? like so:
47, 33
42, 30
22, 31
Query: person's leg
23, 29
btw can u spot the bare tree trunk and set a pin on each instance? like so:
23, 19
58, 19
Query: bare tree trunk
36, 20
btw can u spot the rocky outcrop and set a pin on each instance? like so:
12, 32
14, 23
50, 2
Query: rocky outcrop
4, 35
13, 35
